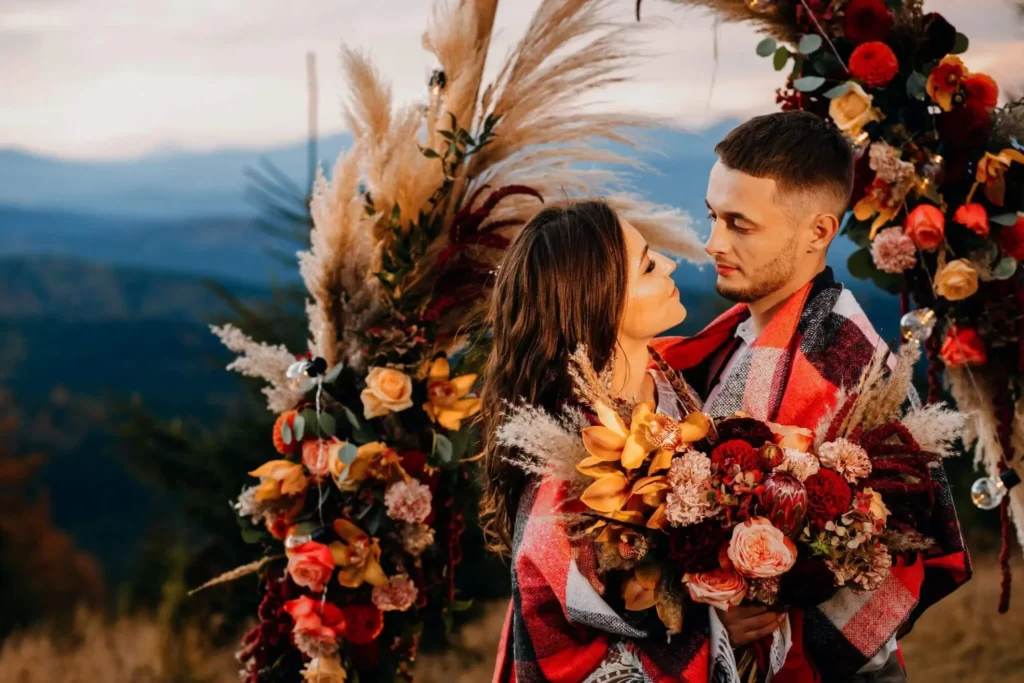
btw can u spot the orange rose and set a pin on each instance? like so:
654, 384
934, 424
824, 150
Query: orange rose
311, 565
926, 226
760, 551
387, 391
721, 588
316, 456
285, 418
973, 217
957, 280
853, 110
963, 346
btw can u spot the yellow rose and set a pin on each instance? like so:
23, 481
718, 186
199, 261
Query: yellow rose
878, 508
387, 391
852, 110
957, 280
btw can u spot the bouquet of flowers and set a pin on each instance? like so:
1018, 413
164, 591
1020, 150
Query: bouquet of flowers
744, 510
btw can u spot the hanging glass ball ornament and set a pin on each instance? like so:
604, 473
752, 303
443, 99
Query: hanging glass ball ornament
301, 375
860, 143
438, 81
918, 325
988, 492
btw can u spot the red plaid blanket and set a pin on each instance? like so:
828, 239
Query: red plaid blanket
820, 341
562, 625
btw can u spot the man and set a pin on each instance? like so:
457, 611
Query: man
775, 200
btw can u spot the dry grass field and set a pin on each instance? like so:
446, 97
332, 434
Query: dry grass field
961, 639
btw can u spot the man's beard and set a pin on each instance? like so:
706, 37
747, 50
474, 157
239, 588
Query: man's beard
768, 279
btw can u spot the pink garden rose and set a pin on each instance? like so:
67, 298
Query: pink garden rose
721, 588
311, 565
760, 551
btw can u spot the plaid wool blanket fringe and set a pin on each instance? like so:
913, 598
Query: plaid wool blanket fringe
819, 342
559, 627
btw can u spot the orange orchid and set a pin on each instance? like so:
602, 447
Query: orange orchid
375, 459
944, 81
992, 168
279, 478
357, 555
641, 590
883, 201
447, 404
613, 441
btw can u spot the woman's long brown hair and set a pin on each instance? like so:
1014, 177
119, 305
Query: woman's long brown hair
562, 282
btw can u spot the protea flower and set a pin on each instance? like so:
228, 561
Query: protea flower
785, 502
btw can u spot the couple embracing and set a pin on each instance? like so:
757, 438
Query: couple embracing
578, 274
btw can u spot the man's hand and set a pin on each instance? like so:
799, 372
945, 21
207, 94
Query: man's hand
748, 623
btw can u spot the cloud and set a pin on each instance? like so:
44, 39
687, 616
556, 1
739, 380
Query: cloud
116, 78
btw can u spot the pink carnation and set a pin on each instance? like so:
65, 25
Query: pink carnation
397, 595
798, 463
846, 458
408, 501
687, 500
893, 251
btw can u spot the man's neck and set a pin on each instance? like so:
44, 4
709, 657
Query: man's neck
763, 310
629, 373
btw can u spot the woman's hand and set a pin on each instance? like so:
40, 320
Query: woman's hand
748, 623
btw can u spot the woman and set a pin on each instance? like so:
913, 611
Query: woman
576, 274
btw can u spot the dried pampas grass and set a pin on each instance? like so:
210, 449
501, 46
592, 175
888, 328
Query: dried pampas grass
543, 444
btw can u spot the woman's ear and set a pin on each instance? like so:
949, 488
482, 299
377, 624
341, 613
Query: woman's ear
823, 231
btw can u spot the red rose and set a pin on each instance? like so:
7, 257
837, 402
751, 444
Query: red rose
363, 623
867, 20
965, 126
311, 565
982, 91
285, 418
1011, 239
735, 452
963, 346
973, 217
874, 63
926, 226
828, 496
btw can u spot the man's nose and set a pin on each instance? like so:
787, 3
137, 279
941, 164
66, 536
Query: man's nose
717, 243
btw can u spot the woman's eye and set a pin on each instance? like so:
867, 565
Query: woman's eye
650, 267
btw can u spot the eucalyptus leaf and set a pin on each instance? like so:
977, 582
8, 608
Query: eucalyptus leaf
839, 90
809, 43
916, 86
361, 432
299, 427
286, 433
443, 450
766, 47
347, 453
460, 605
861, 265
780, 59
327, 425
808, 83
960, 45
890, 282
1005, 269
1004, 219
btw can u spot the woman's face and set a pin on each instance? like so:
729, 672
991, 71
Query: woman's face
652, 298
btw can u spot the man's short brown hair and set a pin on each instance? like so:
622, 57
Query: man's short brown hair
798, 150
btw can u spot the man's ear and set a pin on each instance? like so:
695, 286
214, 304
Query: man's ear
823, 230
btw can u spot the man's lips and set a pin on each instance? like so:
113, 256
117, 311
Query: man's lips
722, 269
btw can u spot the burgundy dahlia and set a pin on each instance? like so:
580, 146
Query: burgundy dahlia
694, 549
828, 496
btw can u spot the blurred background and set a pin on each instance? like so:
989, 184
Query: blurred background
154, 163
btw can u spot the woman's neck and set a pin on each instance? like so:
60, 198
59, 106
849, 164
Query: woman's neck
630, 380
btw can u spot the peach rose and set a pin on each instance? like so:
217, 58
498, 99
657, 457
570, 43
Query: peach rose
387, 391
311, 565
926, 226
957, 280
760, 551
788, 436
721, 588
852, 110
316, 456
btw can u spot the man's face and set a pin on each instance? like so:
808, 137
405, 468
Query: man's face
756, 241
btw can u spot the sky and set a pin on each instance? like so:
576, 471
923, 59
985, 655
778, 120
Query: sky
103, 79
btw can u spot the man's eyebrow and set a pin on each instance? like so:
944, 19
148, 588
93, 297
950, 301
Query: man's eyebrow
735, 215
